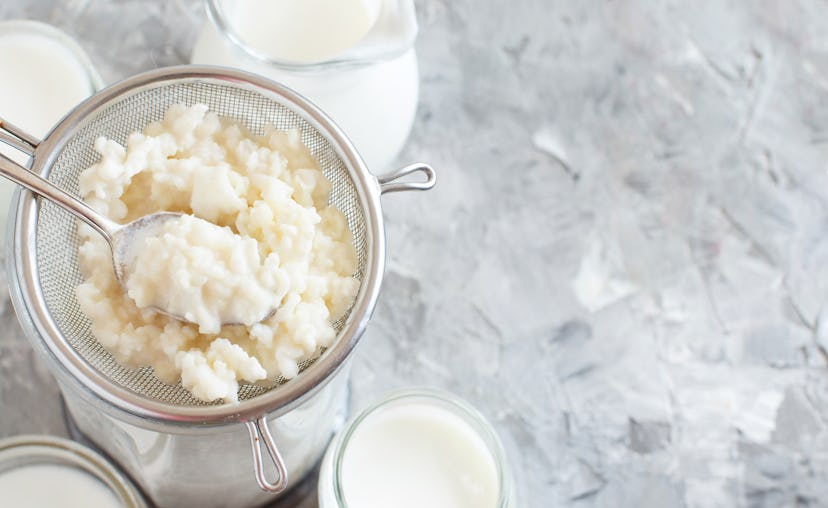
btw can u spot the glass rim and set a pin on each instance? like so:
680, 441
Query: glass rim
30, 26
31, 450
216, 15
446, 400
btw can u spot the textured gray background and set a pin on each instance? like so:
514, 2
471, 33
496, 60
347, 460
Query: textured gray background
624, 264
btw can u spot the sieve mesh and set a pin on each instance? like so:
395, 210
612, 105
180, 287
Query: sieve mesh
57, 238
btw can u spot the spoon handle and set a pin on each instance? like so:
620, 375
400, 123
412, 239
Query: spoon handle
16, 137
22, 176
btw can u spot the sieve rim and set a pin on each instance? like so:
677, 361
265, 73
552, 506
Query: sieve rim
40, 326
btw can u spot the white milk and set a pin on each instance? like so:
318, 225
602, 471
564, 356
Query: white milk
413, 454
44, 75
54, 486
373, 103
303, 30
42, 81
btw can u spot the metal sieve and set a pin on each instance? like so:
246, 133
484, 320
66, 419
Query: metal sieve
45, 241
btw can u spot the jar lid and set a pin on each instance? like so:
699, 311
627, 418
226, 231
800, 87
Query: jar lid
50, 471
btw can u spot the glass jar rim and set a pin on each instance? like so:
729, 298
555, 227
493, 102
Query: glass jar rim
28, 26
30, 450
444, 400
217, 15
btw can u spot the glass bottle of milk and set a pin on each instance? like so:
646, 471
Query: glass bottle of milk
352, 58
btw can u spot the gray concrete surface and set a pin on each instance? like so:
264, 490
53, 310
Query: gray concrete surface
625, 262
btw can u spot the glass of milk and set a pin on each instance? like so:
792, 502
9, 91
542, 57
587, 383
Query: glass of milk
415, 448
49, 472
354, 58
44, 75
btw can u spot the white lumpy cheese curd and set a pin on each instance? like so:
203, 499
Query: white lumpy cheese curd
206, 274
266, 188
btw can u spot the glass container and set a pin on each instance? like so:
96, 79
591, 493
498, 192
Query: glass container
66, 466
369, 88
430, 419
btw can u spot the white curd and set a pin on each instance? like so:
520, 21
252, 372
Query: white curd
54, 486
205, 273
269, 191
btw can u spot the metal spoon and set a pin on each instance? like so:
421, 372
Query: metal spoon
124, 239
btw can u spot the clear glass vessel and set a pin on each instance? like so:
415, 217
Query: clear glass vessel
26, 451
331, 488
36, 93
370, 89
190, 465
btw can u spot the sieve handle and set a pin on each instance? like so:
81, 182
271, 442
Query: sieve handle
18, 138
388, 182
259, 432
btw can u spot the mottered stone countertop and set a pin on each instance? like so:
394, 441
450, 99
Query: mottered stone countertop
624, 264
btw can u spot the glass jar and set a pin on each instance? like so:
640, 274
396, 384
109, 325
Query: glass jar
45, 74
370, 89
449, 430
185, 465
63, 466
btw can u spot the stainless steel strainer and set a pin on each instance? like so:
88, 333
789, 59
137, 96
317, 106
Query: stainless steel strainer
45, 241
